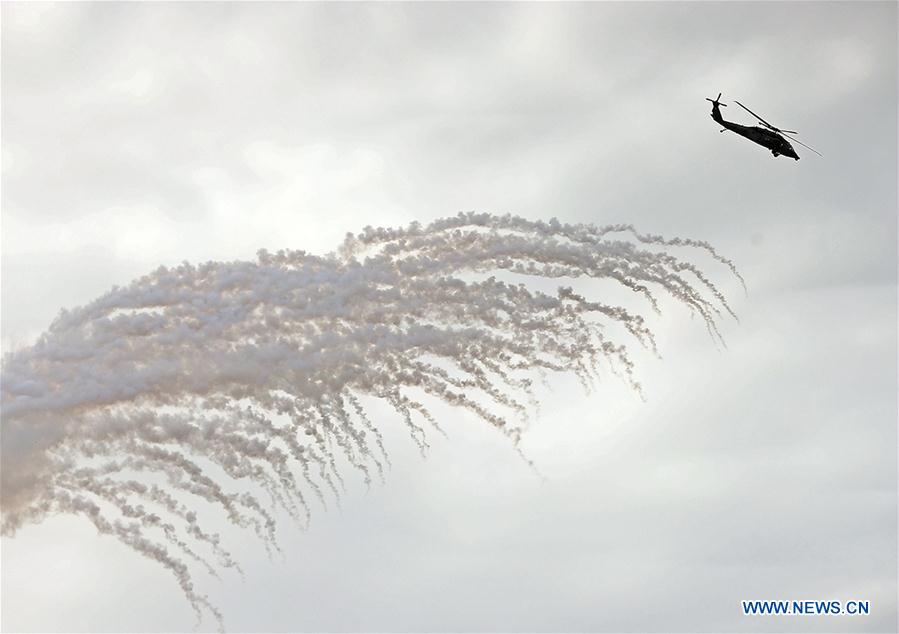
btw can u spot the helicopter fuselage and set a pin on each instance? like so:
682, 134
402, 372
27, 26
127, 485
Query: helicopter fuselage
764, 137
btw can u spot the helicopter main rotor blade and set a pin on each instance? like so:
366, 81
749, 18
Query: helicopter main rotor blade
765, 123
786, 133
803, 144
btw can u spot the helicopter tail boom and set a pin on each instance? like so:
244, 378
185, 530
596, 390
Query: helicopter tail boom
716, 113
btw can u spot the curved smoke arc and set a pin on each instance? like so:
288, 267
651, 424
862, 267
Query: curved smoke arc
258, 367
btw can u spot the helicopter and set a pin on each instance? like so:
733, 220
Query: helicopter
767, 136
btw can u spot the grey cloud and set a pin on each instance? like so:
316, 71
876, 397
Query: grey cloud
140, 134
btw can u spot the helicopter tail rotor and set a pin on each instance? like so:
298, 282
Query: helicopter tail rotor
715, 101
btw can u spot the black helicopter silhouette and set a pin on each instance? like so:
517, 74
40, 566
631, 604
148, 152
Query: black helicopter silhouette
769, 136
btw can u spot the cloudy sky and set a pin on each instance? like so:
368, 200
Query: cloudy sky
135, 135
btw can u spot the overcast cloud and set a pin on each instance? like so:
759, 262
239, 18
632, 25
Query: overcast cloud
135, 135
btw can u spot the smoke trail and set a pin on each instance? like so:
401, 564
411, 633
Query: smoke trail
194, 380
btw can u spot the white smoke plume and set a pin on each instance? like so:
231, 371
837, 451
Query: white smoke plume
196, 380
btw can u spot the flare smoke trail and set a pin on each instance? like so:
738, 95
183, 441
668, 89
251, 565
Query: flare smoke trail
258, 368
